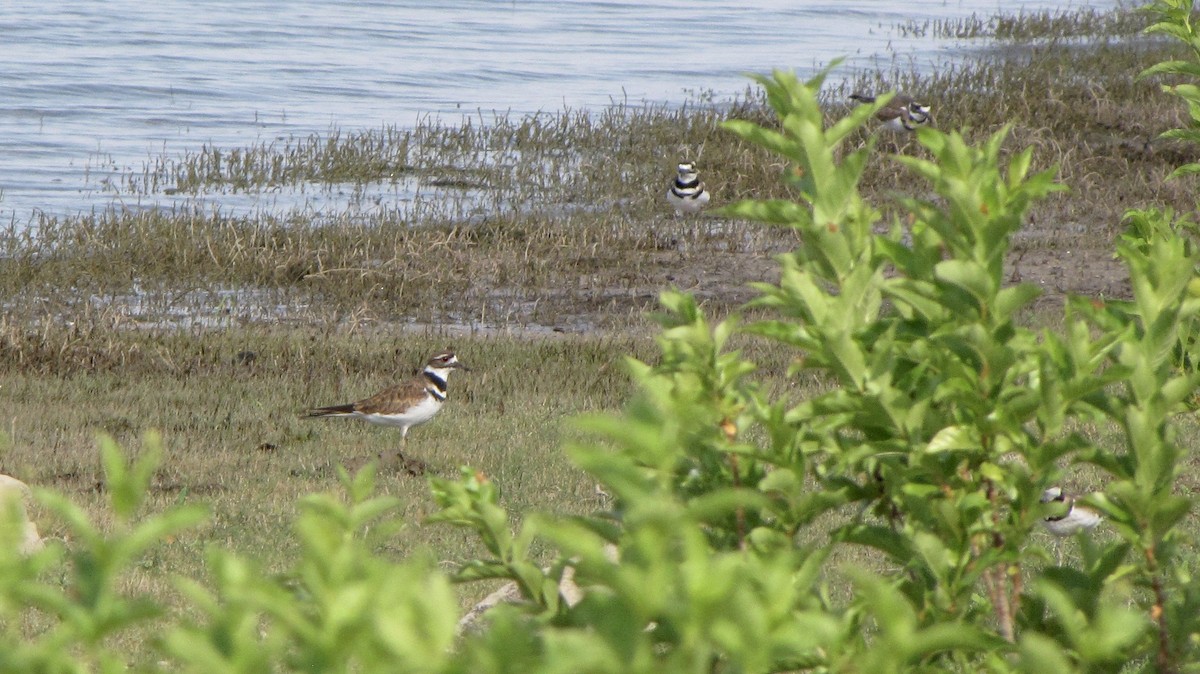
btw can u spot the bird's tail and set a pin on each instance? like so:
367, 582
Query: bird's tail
331, 411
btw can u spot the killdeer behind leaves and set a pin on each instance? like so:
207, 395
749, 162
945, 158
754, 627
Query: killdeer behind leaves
1070, 517
687, 193
902, 113
406, 404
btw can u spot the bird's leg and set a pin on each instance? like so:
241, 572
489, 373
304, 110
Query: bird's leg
397, 461
392, 459
414, 467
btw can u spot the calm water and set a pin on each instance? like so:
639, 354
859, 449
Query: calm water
88, 89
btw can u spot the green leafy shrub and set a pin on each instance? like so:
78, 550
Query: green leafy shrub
1176, 20
942, 422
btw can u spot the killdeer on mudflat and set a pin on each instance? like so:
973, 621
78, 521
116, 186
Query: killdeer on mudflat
404, 405
902, 113
687, 193
1069, 517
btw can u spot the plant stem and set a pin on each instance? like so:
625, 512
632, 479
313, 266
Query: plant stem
740, 513
1163, 660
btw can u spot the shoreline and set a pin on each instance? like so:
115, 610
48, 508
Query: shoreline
557, 222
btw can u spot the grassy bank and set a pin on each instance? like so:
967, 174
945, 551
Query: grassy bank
558, 220
234, 438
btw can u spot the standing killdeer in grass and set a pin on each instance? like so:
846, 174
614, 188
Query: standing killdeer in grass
404, 405
902, 113
687, 194
1069, 517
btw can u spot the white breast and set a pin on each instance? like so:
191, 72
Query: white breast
688, 202
413, 416
1079, 519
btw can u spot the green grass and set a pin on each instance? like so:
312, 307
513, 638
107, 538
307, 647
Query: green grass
234, 437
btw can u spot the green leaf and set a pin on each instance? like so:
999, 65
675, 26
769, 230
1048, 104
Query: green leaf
968, 276
1018, 167
954, 438
1012, 299
947, 636
1171, 68
1183, 135
1169, 509
884, 539
156, 529
1040, 653
1185, 170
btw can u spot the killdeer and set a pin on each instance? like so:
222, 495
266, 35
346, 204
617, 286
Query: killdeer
687, 193
902, 113
1074, 518
404, 405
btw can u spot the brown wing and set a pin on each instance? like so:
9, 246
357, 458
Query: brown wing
897, 107
394, 399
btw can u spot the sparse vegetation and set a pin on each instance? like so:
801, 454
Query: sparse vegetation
1045, 24
557, 220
